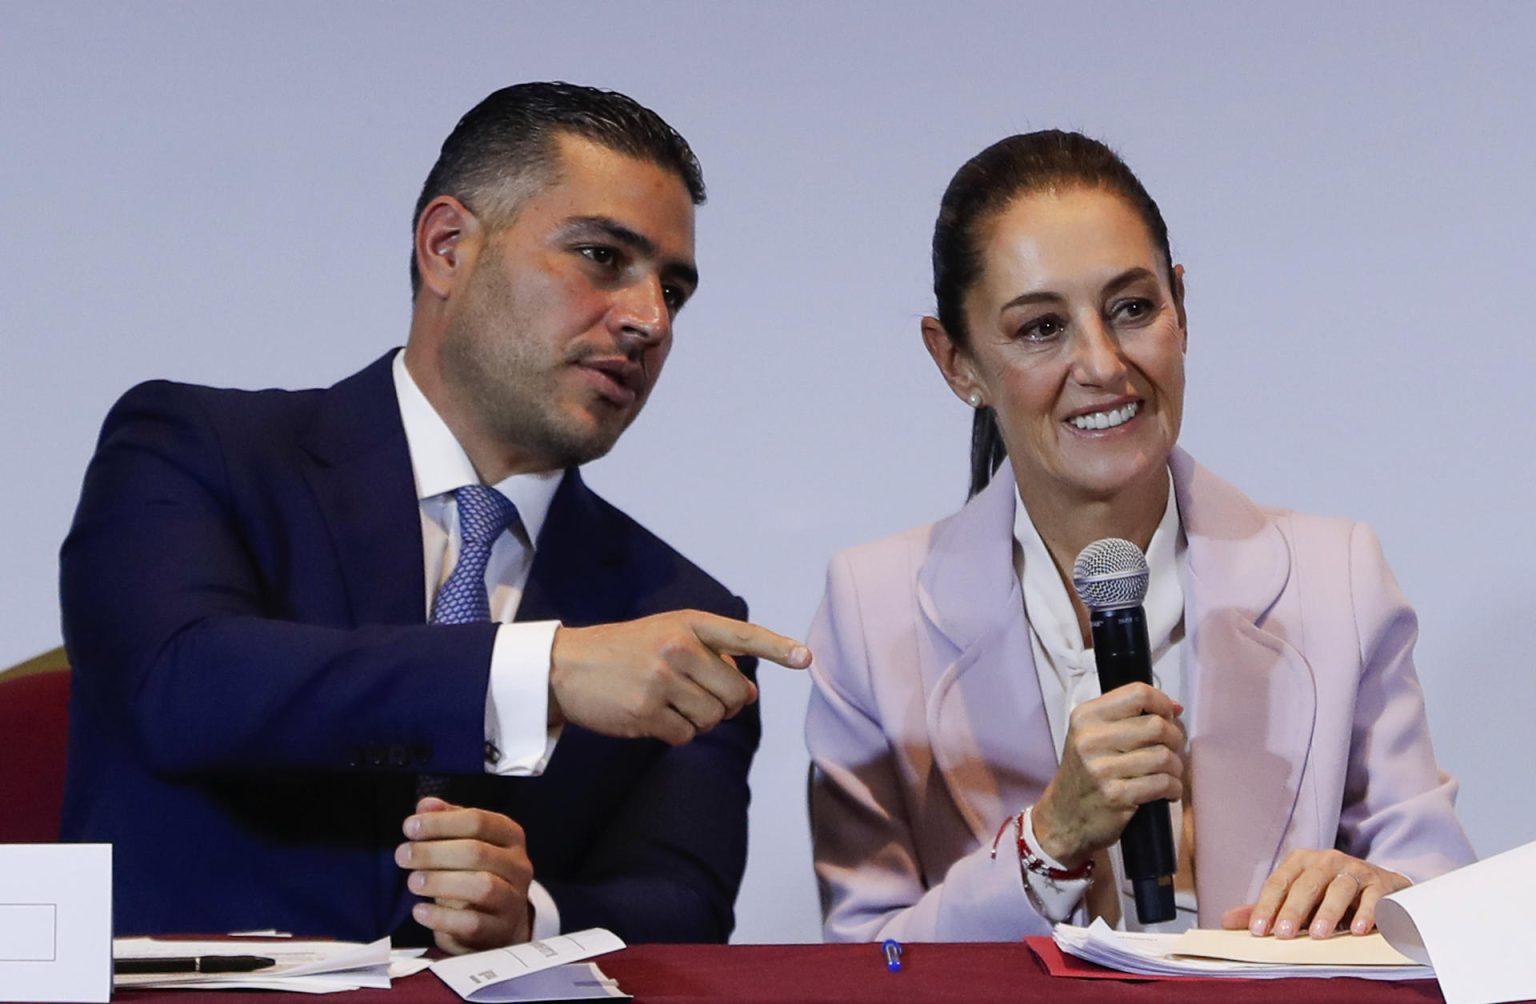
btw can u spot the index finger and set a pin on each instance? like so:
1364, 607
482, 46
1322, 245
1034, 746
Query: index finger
727, 637
1141, 698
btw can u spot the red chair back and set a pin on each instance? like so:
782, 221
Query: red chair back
34, 735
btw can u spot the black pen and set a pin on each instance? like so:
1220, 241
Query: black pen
193, 964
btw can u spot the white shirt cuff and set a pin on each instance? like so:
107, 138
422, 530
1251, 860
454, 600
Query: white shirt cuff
519, 740
1054, 899
546, 915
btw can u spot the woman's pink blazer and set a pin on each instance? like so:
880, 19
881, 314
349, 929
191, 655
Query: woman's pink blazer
926, 728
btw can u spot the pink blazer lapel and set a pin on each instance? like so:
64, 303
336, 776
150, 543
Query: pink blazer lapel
990, 737
1254, 699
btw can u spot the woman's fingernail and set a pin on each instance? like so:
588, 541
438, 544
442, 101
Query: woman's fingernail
419, 911
1321, 929
1285, 929
1360, 926
1257, 927
413, 827
417, 881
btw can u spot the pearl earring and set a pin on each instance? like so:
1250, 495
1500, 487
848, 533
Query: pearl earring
975, 399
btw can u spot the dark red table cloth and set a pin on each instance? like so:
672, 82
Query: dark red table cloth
835, 974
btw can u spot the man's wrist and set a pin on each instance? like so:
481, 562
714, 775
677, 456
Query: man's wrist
555, 716
518, 738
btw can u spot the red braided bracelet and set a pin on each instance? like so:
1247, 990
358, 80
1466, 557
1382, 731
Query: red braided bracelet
1032, 861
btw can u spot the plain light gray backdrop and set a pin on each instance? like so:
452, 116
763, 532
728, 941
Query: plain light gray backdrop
222, 194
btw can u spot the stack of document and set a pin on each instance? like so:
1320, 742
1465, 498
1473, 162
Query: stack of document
1238, 953
1473, 924
553, 969
314, 967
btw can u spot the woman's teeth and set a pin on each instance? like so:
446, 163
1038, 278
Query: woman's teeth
1107, 419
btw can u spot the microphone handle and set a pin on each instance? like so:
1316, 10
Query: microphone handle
1124, 655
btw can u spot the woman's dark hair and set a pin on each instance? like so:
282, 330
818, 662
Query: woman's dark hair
1049, 160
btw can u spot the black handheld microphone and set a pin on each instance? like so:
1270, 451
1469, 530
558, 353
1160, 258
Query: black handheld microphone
1110, 577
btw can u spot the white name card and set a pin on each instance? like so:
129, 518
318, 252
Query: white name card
56, 922
493, 976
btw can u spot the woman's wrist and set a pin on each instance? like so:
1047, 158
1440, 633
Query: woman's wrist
1054, 843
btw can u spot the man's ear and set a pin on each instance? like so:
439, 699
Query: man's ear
1178, 302
953, 362
448, 238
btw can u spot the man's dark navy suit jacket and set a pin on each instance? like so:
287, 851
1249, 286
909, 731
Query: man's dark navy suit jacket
256, 688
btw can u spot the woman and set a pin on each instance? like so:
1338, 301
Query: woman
970, 783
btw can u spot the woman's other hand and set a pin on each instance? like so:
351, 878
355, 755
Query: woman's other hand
1314, 891
1123, 749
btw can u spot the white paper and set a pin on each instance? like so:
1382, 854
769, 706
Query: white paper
1150, 954
56, 922
574, 981
373, 978
405, 962
1343, 949
475, 977
305, 966
1474, 924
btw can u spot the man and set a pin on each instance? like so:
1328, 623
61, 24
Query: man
279, 605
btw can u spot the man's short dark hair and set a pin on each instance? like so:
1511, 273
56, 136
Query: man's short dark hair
504, 146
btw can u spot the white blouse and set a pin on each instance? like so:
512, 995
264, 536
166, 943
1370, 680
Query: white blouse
1069, 677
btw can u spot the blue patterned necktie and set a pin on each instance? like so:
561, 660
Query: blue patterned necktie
484, 515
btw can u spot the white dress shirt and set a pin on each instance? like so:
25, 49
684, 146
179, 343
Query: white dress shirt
1069, 676
517, 695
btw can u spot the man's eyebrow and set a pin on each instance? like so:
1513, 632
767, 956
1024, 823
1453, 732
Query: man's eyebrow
607, 226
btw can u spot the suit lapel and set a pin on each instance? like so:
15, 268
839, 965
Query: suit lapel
360, 473
577, 575
990, 737
1254, 699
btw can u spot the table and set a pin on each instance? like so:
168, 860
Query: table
855, 974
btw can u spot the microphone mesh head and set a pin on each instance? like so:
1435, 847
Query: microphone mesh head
1110, 574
